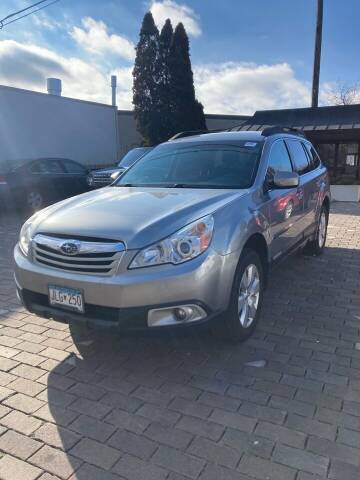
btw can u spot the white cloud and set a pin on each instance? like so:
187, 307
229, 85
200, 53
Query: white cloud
233, 88
95, 38
177, 13
242, 88
28, 66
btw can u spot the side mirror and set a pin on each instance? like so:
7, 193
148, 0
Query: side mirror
285, 180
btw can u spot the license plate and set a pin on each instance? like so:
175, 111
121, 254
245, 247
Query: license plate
67, 298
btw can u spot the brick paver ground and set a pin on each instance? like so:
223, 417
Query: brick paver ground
285, 405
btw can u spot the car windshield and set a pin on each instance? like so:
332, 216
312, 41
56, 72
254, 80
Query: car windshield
196, 166
131, 157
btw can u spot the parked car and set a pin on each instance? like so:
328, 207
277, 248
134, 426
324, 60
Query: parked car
187, 235
105, 176
36, 183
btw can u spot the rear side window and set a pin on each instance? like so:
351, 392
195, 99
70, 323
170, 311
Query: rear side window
72, 167
299, 156
313, 156
279, 160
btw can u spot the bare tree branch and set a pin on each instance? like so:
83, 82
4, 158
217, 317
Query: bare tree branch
344, 94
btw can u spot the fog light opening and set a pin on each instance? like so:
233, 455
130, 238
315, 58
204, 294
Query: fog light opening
183, 314
175, 315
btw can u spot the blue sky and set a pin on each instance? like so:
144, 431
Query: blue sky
246, 54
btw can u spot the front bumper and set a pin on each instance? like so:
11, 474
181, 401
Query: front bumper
125, 299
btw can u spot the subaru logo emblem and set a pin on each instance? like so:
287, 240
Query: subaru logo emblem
71, 247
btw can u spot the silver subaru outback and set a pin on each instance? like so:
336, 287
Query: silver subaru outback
187, 235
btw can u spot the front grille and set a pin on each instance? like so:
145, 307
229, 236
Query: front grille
101, 178
94, 258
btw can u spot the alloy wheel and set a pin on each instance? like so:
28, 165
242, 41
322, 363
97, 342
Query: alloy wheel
249, 293
322, 229
34, 200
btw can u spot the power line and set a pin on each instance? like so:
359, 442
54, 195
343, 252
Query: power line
2, 24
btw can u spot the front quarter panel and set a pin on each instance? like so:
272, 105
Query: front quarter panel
238, 221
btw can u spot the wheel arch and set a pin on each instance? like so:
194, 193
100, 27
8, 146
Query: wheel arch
258, 243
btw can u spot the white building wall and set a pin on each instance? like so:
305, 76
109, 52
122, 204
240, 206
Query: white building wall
34, 125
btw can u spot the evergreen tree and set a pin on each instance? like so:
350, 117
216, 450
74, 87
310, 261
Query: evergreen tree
188, 113
164, 87
145, 88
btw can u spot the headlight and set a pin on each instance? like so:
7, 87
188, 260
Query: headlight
184, 245
25, 237
115, 175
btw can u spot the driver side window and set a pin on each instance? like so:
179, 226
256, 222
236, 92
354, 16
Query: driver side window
279, 160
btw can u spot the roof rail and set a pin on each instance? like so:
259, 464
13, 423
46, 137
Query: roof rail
280, 129
187, 134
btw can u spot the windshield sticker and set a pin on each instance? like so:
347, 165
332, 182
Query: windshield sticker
250, 144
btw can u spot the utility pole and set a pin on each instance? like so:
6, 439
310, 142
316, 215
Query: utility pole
317, 54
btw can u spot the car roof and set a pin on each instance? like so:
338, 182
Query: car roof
220, 137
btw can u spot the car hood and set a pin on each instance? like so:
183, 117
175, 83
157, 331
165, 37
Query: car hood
106, 170
137, 216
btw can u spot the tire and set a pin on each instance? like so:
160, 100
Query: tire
34, 200
316, 246
82, 339
239, 322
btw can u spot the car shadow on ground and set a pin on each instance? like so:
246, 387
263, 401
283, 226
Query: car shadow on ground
129, 383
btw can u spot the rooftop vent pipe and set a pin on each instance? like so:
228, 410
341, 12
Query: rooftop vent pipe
54, 86
113, 90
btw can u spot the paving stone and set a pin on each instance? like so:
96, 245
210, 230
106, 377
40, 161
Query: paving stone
55, 414
234, 420
133, 444
310, 426
27, 387
92, 428
272, 415
217, 472
301, 460
56, 436
90, 472
204, 428
91, 392
27, 371
152, 396
281, 434
292, 406
178, 462
124, 402
127, 421
168, 435
248, 394
326, 448
96, 453
343, 471
349, 437
340, 418
14, 469
133, 468
20, 422
24, 403
188, 407
249, 443
264, 469
55, 461
219, 401
18, 445
91, 408
213, 452
158, 414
